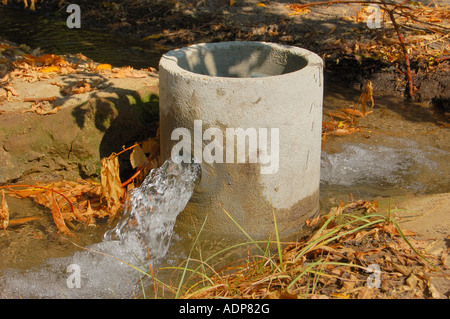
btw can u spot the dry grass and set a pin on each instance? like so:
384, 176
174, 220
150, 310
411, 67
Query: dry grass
336, 261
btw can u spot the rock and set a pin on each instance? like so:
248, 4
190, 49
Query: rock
71, 142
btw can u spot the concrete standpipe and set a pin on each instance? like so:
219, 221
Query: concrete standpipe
251, 114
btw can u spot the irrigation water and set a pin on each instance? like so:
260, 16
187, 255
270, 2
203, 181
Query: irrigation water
114, 267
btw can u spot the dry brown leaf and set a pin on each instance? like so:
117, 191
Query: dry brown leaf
138, 158
50, 69
280, 294
348, 284
151, 146
127, 72
9, 88
435, 294
112, 190
313, 222
21, 221
57, 216
81, 87
346, 131
38, 108
367, 95
46, 60
4, 212
390, 228
365, 293
353, 112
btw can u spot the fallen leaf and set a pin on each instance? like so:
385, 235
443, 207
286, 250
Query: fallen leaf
340, 296
280, 294
298, 9
350, 283
365, 293
367, 94
313, 222
127, 72
138, 158
151, 146
412, 281
103, 66
346, 131
21, 221
435, 294
353, 112
46, 59
50, 69
57, 216
38, 108
79, 87
9, 88
4, 212
111, 186
392, 229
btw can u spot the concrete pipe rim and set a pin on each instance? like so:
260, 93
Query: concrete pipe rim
170, 61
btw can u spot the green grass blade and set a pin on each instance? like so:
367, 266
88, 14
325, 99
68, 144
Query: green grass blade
187, 262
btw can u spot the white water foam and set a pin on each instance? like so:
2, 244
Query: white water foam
108, 269
404, 165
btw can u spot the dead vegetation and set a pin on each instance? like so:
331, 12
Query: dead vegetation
86, 201
27, 65
354, 252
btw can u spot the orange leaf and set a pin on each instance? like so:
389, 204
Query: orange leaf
353, 112
112, 190
346, 131
58, 218
4, 212
46, 59
50, 69
23, 220
103, 66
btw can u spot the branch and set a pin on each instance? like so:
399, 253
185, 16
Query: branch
381, 2
405, 52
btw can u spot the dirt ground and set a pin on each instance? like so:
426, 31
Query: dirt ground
338, 32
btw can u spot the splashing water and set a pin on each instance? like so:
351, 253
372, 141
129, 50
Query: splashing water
109, 269
383, 168
151, 210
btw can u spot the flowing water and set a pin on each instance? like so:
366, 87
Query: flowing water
109, 269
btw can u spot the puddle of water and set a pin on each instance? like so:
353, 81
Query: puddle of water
30, 242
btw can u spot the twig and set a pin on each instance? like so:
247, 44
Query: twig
300, 6
40, 99
405, 52
41, 187
442, 58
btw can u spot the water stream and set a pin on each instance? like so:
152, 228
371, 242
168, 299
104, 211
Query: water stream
109, 269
